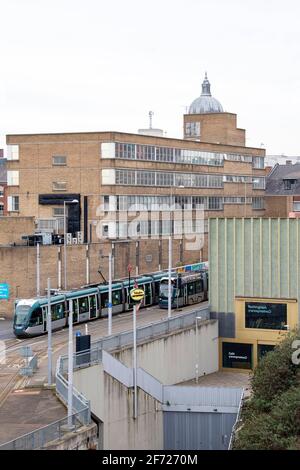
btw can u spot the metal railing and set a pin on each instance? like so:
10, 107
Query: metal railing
80, 403
238, 418
30, 367
42, 437
149, 332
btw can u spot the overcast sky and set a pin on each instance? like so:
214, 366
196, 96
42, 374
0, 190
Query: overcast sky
94, 65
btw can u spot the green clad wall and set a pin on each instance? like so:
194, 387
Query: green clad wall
255, 257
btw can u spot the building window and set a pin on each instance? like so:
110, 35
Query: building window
263, 349
296, 206
237, 355
13, 178
126, 177
258, 183
265, 315
125, 151
13, 203
258, 162
192, 129
58, 212
289, 183
1, 209
1, 191
257, 203
12, 152
58, 160
59, 186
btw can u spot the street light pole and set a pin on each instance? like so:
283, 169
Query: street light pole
38, 269
75, 201
70, 366
65, 248
109, 294
197, 350
169, 279
134, 362
49, 329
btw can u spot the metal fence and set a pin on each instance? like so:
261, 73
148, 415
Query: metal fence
238, 419
80, 403
41, 438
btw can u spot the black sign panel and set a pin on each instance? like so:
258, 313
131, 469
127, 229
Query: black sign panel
269, 316
237, 355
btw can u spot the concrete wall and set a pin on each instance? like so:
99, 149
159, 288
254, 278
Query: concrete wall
84, 438
112, 402
172, 359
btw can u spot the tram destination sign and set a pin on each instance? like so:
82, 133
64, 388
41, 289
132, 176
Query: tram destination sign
137, 294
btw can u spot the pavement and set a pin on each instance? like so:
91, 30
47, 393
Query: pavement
224, 379
26, 410
6, 329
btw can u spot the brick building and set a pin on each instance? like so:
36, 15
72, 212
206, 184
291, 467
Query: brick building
3, 184
111, 172
282, 198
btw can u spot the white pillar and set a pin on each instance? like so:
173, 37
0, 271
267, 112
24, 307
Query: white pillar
87, 258
197, 363
38, 269
169, 279
65, 248
109, 294
134, 363
70, 365
49, 329
59, 268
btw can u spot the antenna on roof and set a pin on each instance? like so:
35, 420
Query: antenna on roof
150, 119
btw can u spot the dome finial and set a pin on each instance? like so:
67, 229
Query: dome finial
206, 86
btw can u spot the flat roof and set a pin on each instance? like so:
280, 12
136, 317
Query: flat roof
140, 137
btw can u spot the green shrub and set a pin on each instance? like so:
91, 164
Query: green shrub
271, 418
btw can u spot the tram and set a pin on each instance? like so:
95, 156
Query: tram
186, 289
89, 303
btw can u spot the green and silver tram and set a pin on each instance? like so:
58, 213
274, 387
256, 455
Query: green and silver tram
30, 317
186, 289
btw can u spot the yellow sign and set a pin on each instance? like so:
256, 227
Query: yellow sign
137, 294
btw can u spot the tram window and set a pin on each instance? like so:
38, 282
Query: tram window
83, 305
57, 311
116, 297
199, 286
36, 317
104, 299
191, 288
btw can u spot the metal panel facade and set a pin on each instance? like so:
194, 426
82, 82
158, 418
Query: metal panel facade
197, 431
253, 257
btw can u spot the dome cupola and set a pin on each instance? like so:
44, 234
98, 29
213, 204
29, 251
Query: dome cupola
205, 103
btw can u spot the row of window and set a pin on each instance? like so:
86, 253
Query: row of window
190, 180
160, 154
185, 156
126, 203
146, 228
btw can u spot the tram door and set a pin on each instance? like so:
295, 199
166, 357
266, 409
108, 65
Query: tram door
185, 294
45, 309
75, 310
148, 294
